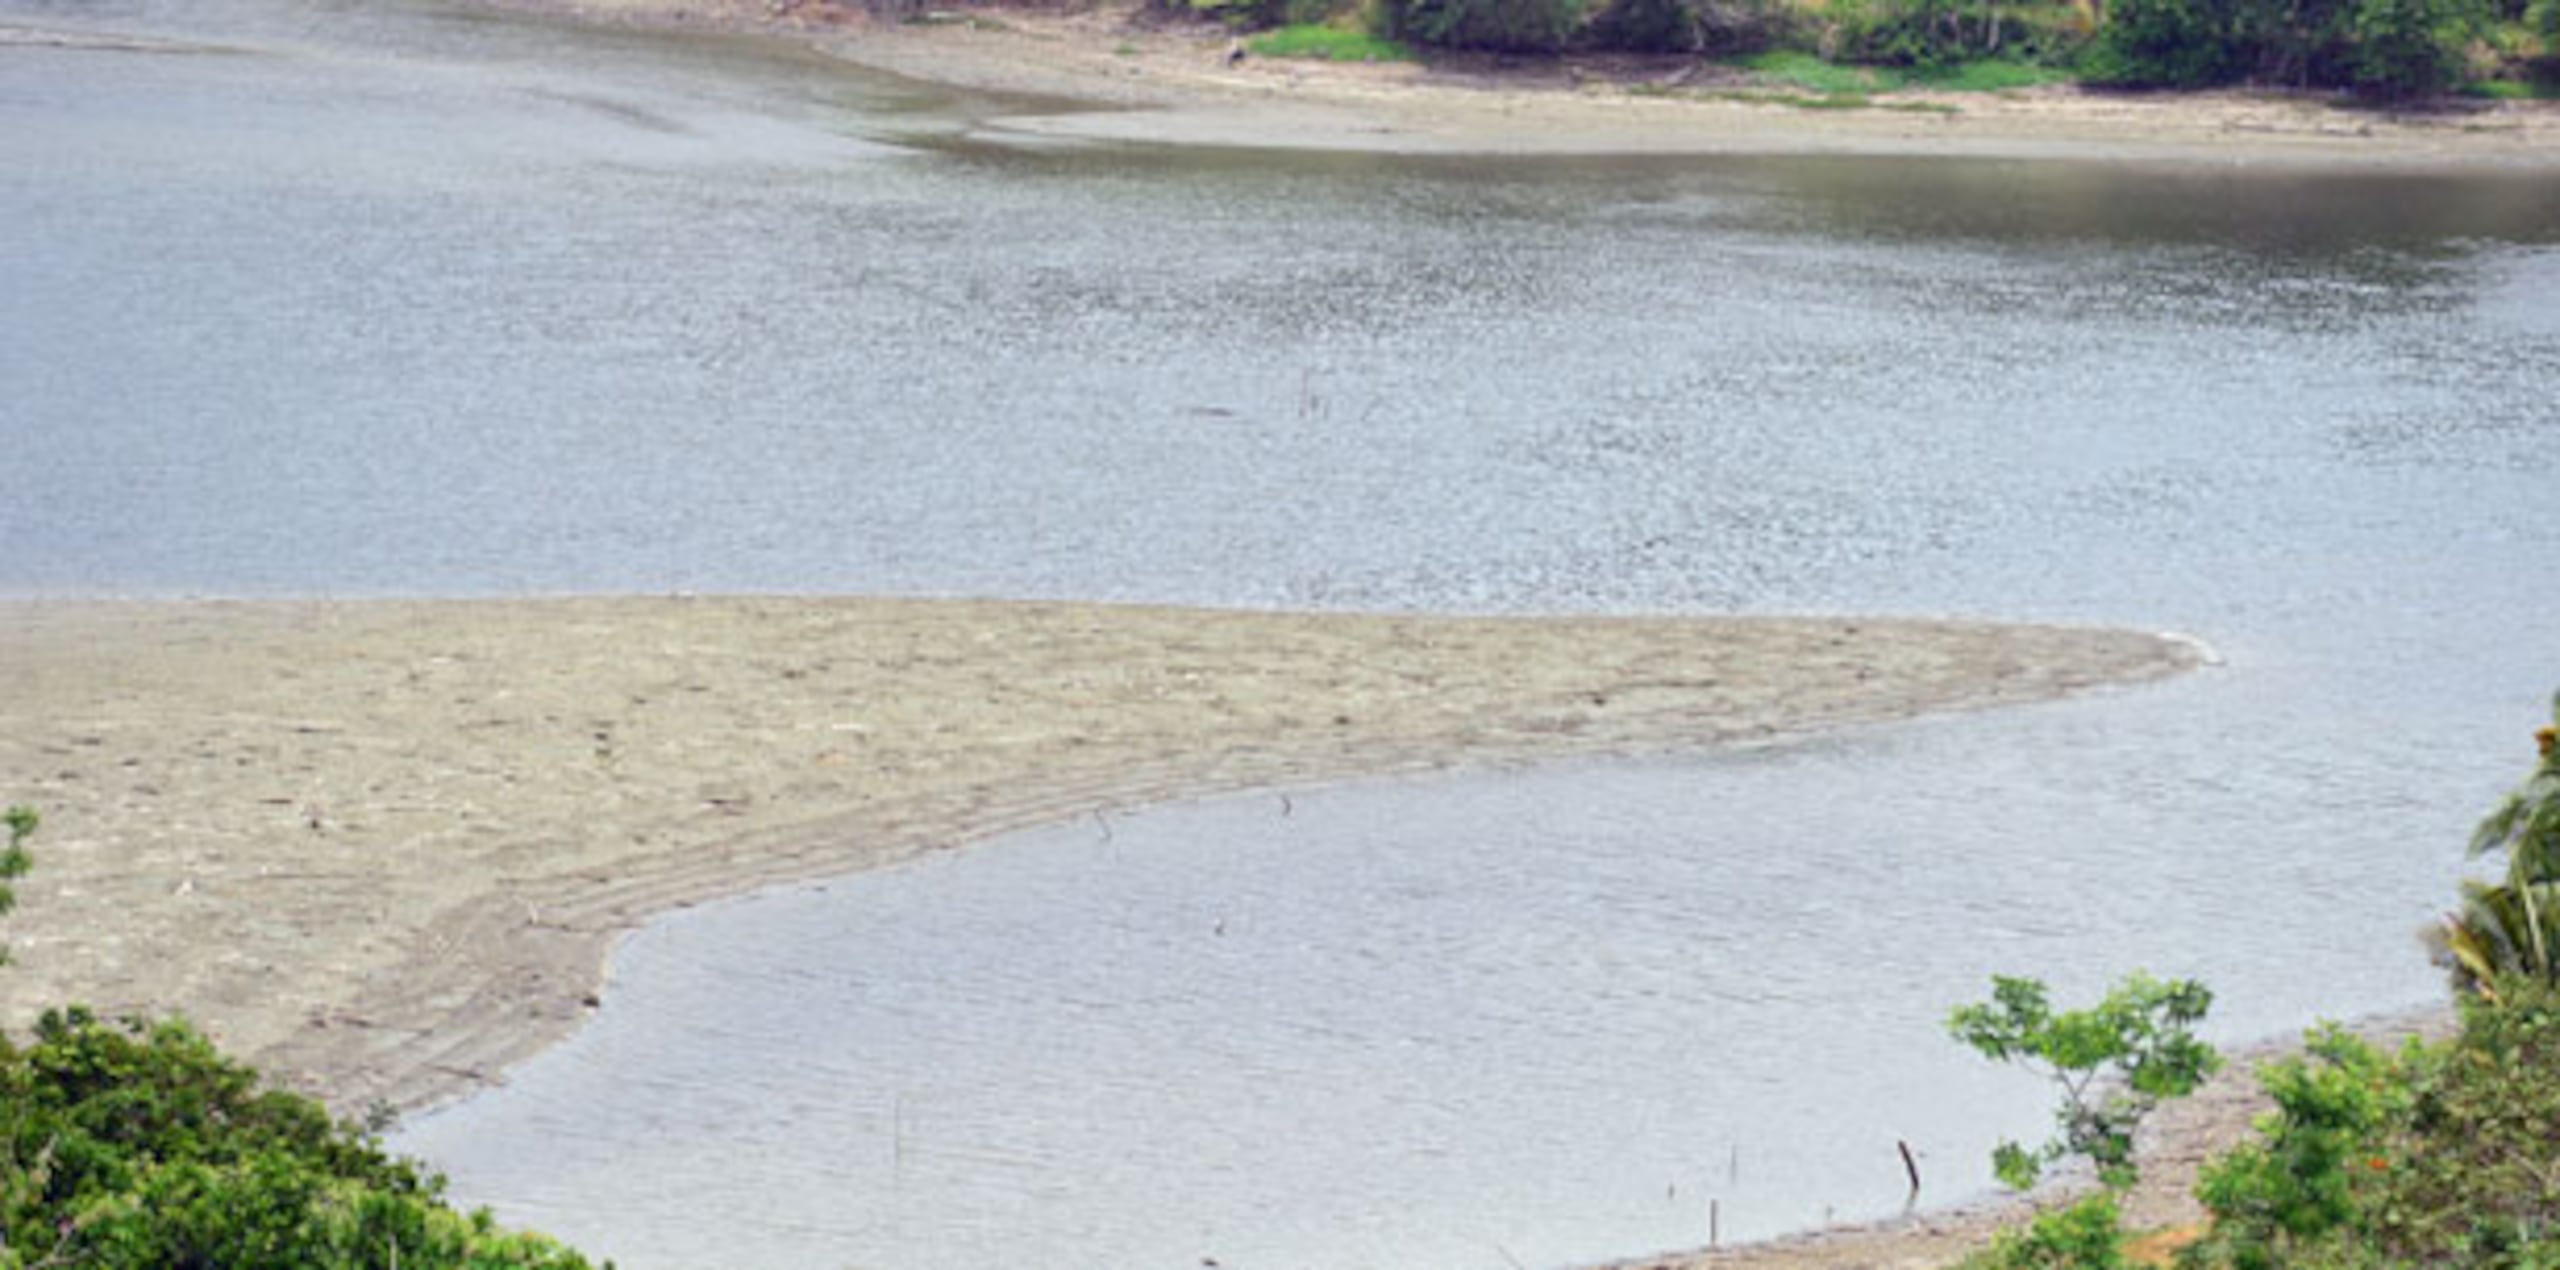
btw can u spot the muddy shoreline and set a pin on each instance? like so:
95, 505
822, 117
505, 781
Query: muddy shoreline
1142, 80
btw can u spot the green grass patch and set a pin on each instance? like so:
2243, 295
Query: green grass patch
1813, 75
1988, 76
1327, 44
1833, 79
1810, 101
945, 17
2513, 90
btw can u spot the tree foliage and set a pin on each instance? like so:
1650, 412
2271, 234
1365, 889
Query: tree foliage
2295, 1182
2444, 1155
131, 1145
2407, 47
2387, 47
2087, 1235
2165, 44
2115, 1062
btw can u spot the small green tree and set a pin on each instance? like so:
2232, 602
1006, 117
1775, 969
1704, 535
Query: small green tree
2513, 926
2114, 1061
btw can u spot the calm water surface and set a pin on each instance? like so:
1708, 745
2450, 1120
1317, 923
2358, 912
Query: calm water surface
380, 299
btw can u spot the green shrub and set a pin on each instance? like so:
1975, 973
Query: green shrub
2303, 43
131, 1145
2448, 1154
2295, 1184
2165, 44
2473, 1167
2408, 47
2085, 1236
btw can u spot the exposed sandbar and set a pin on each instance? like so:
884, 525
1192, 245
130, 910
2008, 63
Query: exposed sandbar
382, 847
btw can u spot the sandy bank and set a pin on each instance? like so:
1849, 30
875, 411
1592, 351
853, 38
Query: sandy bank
382, 847
1172, 84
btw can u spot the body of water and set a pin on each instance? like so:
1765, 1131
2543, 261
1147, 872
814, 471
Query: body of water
395, 300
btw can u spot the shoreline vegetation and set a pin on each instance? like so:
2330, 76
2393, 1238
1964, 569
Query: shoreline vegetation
1129, 71
382, 848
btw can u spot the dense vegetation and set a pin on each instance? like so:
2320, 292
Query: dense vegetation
126, 1145
2441, 1155
2387, 48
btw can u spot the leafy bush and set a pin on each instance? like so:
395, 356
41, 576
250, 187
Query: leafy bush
2408, 47
2446, 1155
2473, 1165
2390, 47
2296, 1183
133, 1145
2165, 44
2084, 1236
2304, 43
